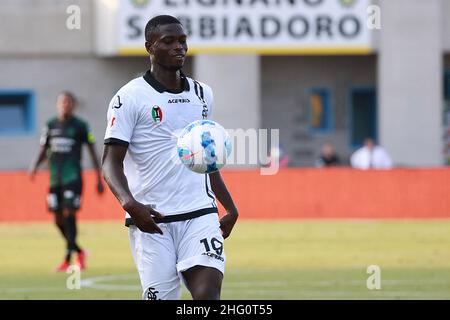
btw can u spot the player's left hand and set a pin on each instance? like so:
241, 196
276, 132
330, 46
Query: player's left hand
227, 223
100, 188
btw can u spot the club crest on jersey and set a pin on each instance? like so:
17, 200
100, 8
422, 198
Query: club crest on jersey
157, 114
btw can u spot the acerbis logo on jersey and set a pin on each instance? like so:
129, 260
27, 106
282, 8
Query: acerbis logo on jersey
157, 114
179, 101
213, 255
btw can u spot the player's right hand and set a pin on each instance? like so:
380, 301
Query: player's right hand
143, 217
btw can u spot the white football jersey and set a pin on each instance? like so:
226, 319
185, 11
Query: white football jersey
146, 117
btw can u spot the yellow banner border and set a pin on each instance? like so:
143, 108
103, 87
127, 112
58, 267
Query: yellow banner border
348, 50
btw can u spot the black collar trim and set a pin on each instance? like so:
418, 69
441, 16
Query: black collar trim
158, 86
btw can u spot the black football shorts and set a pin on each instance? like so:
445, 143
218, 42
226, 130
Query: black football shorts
64, 196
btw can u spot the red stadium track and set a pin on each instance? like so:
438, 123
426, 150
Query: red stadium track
291, 194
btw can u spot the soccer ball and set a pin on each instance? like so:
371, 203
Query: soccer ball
204, 146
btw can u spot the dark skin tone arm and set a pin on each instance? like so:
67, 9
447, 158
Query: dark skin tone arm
220, 190
42, 155
112, 164
94, 158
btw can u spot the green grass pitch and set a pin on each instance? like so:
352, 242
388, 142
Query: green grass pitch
265, 260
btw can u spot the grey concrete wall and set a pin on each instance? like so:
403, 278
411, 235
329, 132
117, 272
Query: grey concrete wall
410, 82
38, 27
445, 13
235, 82
285, 82
106, 27
94, 81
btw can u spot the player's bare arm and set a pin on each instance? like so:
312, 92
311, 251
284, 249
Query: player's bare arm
220, 190
112, 164
42, 155
97, 167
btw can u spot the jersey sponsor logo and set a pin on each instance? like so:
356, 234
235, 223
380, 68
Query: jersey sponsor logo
61, 144
157, 114
178, 101
119, 104
205, 111
213, 255
199, 92
55, 132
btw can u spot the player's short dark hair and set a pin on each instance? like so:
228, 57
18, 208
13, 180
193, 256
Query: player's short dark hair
157, 21
70, 95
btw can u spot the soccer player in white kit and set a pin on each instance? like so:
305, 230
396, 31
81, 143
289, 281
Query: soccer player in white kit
174, 227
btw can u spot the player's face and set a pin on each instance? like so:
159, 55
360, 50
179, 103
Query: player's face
65, 105
168, 47
327, 150
369, 143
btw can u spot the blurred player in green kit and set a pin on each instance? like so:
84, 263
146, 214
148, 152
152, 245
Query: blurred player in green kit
61, 143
